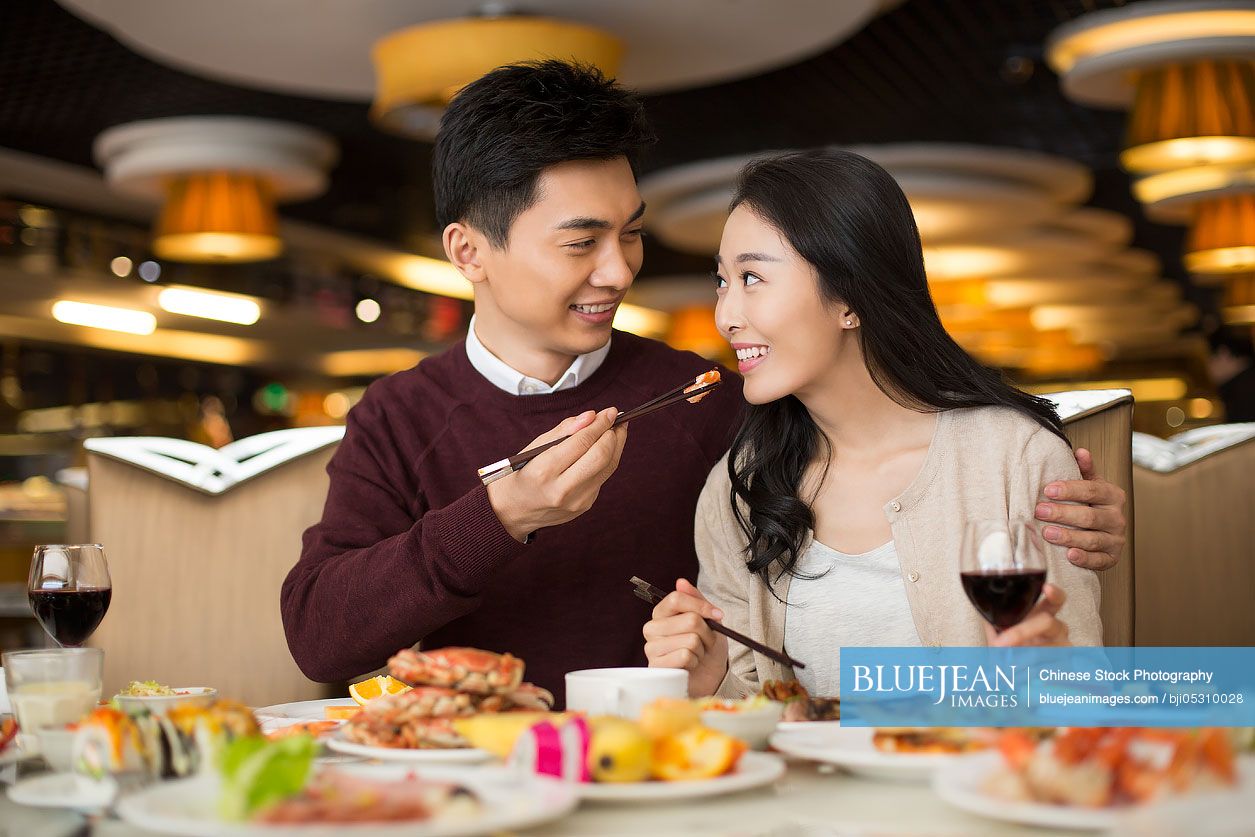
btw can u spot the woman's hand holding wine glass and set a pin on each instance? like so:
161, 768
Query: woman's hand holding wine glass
1003, 570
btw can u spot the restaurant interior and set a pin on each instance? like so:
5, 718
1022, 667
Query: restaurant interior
217, 230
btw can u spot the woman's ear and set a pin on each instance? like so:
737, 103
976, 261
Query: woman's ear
462, 246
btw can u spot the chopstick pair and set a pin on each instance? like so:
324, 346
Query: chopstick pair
648, 592
687, 391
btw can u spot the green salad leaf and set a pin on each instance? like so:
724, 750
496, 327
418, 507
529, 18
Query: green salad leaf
257, 772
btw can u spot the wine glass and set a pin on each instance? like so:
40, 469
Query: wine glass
1003, 569
69, 590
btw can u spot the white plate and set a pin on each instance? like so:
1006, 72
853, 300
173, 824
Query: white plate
63, 790
754, 770
303, 710
962, 784
465, 755
803, 726
509, 801
852, 749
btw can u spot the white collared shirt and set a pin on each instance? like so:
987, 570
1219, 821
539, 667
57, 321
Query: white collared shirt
504, 377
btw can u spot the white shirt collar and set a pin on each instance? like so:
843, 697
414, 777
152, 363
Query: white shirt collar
504, 377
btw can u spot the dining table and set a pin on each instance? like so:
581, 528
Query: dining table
808, 800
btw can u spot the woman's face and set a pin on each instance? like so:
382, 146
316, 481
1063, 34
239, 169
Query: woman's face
787, 338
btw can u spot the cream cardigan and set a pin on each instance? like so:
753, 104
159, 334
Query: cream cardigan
983, 462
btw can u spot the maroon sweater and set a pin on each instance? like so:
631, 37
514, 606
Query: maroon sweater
409, 548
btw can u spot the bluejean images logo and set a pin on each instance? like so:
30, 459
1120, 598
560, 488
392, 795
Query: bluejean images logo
1145, 687
961, 685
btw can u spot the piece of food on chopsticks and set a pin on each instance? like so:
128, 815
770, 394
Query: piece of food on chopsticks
711, 377
184, 741
448, 683
1105, 766
798, 704
504, 467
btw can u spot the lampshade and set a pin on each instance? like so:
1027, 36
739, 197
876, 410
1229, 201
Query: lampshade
421, 68
221, 216
1239, 299
1222, 236
1192, 114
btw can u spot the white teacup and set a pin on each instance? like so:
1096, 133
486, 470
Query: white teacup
623, 691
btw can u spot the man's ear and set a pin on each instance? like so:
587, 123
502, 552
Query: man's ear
462, 245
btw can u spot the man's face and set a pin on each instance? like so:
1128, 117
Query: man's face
569, 260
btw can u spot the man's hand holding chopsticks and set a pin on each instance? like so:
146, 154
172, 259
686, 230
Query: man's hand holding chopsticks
560, 484
678, 637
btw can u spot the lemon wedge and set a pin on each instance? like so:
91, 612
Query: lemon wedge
376, 687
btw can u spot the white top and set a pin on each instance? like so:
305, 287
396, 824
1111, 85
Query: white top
839, 600
505, 377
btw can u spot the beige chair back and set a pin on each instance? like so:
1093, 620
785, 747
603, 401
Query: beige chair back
1103, 424
1196, 531
199, 542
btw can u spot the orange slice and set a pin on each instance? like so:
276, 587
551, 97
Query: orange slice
375, 687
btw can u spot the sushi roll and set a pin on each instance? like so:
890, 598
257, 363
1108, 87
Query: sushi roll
108, 742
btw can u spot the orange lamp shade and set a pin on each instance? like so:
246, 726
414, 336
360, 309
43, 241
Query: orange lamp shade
1198, 113
426, 65
1222, 236
218, 217
1238, 307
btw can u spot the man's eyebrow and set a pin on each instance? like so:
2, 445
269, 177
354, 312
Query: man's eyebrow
589, 223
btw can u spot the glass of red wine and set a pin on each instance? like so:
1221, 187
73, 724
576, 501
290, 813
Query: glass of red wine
69, 590
1003, 569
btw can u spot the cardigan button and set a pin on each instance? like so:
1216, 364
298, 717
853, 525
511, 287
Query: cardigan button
896, 506
913, 576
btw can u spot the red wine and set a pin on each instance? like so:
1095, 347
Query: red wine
70, 616
1004, 598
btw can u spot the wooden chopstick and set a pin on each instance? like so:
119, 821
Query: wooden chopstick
648, 592
505, 467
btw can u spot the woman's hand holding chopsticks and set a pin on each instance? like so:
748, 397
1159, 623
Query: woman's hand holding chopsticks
678, 637
560, 484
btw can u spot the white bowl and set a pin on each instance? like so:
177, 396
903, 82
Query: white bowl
753, 726
160, 705
56, 746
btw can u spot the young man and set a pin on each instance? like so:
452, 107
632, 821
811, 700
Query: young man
536, 192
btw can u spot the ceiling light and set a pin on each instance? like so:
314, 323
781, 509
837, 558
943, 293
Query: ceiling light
1222, 237
104, 316
368, 310
419, 69
210, 305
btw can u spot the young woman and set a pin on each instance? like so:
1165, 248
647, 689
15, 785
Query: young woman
871, 437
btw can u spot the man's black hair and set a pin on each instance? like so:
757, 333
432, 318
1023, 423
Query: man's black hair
500, 132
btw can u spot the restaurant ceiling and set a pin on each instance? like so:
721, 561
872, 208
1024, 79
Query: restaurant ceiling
969, 71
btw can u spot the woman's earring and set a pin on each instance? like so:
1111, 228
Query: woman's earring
849, 323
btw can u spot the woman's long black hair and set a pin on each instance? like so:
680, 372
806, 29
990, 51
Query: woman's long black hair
848, 218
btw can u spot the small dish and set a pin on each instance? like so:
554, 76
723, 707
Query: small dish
56, 746
161, 704
753, 725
